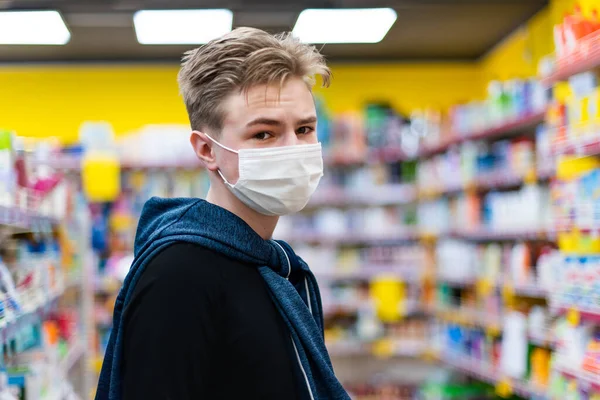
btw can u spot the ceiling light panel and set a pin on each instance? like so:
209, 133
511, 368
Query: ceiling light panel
33, 28
181, 26
350, 25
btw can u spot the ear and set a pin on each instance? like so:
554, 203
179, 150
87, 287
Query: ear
203, 149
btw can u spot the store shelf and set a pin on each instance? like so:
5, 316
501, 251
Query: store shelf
515, 126
591, 314
483, 234
349, 348
349, 238
483, 372
9, 326
492, 323
339, 308
394, 348
339, 159
23, 220
137, 166
457, 283
581, 147
585, 379
496, 181
585, 57
388, 154
531, 291
106, 285
366, 272
522, 290
374, 196
546, 340
336, 307
72, 163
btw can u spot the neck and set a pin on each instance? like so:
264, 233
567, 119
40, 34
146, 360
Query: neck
263, 225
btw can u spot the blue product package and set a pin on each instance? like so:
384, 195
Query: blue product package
519, 99
594, 182
528, 89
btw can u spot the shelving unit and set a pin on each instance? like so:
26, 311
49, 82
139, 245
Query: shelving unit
507, 128
409, 274
496, 181
523, 290
588, 380
22, 219
352, 238
485, 373
381, 195
585, 57
18, 221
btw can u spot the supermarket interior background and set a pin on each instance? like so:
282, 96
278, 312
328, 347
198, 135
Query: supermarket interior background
453, 236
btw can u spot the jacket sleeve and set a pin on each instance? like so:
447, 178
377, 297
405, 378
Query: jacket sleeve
171, 329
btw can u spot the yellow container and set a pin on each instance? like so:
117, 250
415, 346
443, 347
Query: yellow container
101, 176
572, 167
389, 295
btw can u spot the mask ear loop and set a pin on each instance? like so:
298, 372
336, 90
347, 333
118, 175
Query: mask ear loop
222, 146
228, 149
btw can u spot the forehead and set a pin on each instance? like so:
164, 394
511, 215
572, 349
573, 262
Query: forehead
293, 100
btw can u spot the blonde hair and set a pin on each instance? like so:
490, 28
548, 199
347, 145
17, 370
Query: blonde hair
237, 61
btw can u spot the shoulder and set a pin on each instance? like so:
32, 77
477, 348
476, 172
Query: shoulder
185, 261
186, 272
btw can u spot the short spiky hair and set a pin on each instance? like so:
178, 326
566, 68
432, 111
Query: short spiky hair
237, 61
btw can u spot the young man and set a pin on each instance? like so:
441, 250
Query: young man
212, 307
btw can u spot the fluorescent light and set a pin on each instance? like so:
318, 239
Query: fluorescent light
33, 27
181, 26
350, 25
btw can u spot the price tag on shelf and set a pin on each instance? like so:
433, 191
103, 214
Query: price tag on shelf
470, 187
428, 237
530, 177
504, 388
429, 355
383, 348
573, 317
484, 287
493, 330
508, 295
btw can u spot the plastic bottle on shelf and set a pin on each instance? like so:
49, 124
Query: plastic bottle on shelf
548, 268
514, 345
5, 392
540, 367
7, 177
520, 264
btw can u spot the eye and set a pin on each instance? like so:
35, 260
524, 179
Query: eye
262, 136
305, 130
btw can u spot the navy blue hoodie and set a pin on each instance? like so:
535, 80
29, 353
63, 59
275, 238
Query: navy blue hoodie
166, 221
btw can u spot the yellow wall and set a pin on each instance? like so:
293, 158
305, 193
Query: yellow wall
406, 86
53, 101
519, 54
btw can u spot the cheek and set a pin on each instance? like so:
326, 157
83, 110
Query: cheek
228, 161
229, 167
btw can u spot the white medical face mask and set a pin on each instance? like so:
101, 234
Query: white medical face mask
276, 180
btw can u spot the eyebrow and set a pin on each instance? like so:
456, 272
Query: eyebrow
273, 122
310, 120
263, 121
